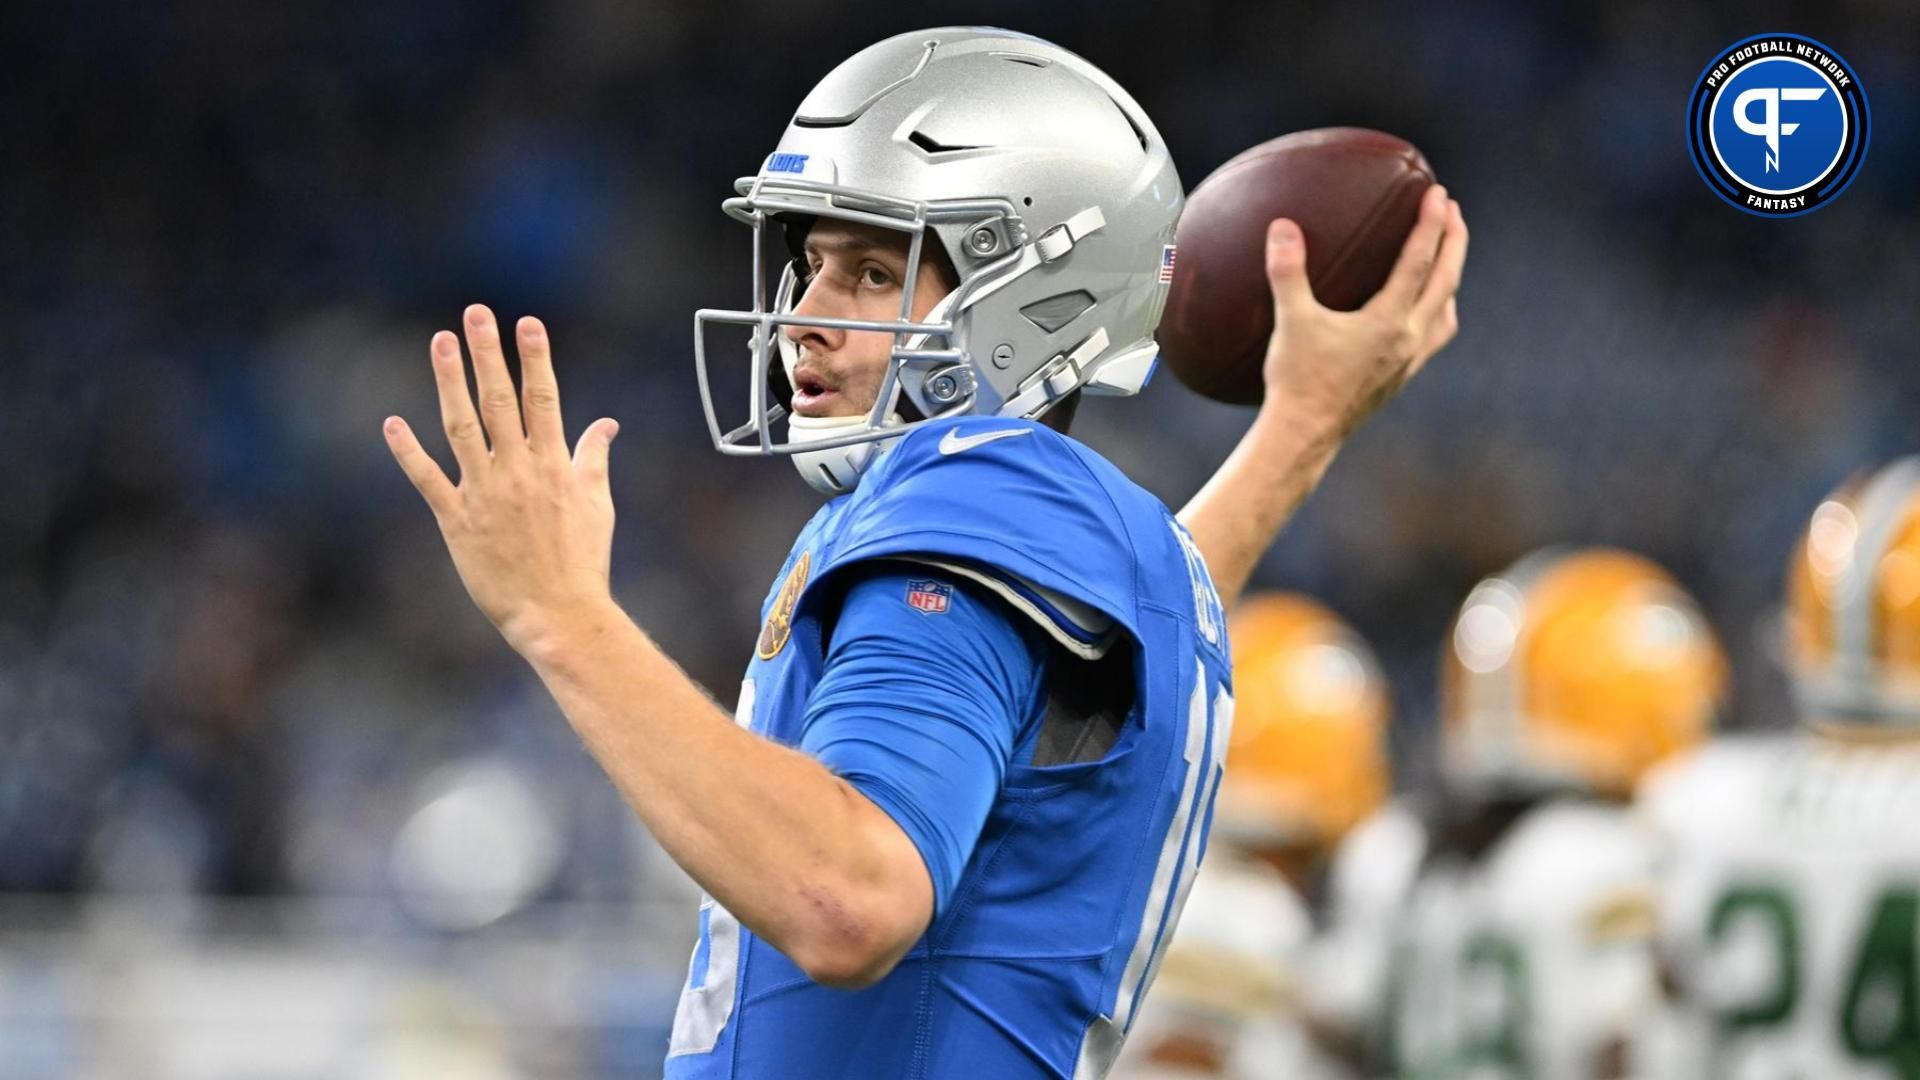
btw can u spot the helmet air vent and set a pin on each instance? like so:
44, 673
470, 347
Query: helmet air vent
851, 89
1055, 312
934, 146
1128, 117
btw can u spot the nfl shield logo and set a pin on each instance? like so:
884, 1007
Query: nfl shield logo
928, 597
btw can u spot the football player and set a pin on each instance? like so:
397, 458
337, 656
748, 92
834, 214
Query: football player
1307, 760
1524, 947
1791, 904
974, 755
1372, 871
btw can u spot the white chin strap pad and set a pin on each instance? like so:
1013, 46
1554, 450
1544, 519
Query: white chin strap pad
836, 470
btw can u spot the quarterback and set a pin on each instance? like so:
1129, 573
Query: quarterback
969, 776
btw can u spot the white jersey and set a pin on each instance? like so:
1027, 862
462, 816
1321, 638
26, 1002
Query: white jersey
1222, 1003
1533, 962
1372, 872
1790, 911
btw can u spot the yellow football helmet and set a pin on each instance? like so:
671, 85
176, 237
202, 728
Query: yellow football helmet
1852, 630
1575, 669
1308, 757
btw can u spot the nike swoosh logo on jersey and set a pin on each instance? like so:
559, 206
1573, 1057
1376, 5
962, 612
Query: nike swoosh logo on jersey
953, 442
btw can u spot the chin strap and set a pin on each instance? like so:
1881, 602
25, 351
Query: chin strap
835, 470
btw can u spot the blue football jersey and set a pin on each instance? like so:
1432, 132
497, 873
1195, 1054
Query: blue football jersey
1039, 961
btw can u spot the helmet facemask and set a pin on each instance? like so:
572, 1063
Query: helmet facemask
929, 375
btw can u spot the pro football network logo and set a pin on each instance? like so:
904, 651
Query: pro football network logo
1778, 125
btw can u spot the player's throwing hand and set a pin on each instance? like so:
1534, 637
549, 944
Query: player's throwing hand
530, 529
1325, 372
1343, 365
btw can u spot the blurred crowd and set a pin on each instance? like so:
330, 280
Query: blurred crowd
234, 658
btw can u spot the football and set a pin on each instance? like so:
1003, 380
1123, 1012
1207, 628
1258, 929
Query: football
1354, 192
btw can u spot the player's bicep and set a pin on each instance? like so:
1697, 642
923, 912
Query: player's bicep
926, 682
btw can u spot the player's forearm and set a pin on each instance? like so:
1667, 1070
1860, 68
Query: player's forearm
1237, 515
787, 847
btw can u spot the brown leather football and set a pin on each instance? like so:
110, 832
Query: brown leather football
1354, 192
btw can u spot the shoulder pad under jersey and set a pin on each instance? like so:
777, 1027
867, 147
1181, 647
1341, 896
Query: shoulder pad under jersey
1713, 788
1591, 862
1012, 505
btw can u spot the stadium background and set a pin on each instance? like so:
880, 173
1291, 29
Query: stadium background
274, 798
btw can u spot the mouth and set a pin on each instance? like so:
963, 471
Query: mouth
813, 394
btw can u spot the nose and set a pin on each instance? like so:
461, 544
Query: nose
819, 300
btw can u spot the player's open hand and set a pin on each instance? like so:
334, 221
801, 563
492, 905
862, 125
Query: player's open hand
530, 528
1340, 366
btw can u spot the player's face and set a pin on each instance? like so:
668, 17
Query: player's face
855, 272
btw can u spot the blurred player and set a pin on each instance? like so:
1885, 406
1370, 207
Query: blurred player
1790, 912
973, 760
1307, 761
1523, 949
1367, 882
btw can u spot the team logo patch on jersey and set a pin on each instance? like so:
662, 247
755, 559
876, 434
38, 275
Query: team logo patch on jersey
779, 625
929, 597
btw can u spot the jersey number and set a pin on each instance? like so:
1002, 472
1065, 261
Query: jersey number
1494, 1011
1209, 728
1495, 967
1879, 1018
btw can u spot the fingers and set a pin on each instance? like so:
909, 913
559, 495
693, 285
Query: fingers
499, 405
590, 453
1439, 333
1436, 298
1416, 262
539, 389
456, 405
1287, 268
1445, 327
425, 473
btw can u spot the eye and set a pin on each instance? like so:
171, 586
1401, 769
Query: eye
876, 277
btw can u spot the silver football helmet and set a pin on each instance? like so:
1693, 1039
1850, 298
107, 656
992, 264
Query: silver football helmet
1042, 181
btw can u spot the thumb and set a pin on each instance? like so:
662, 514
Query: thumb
1287, 267
590, 453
